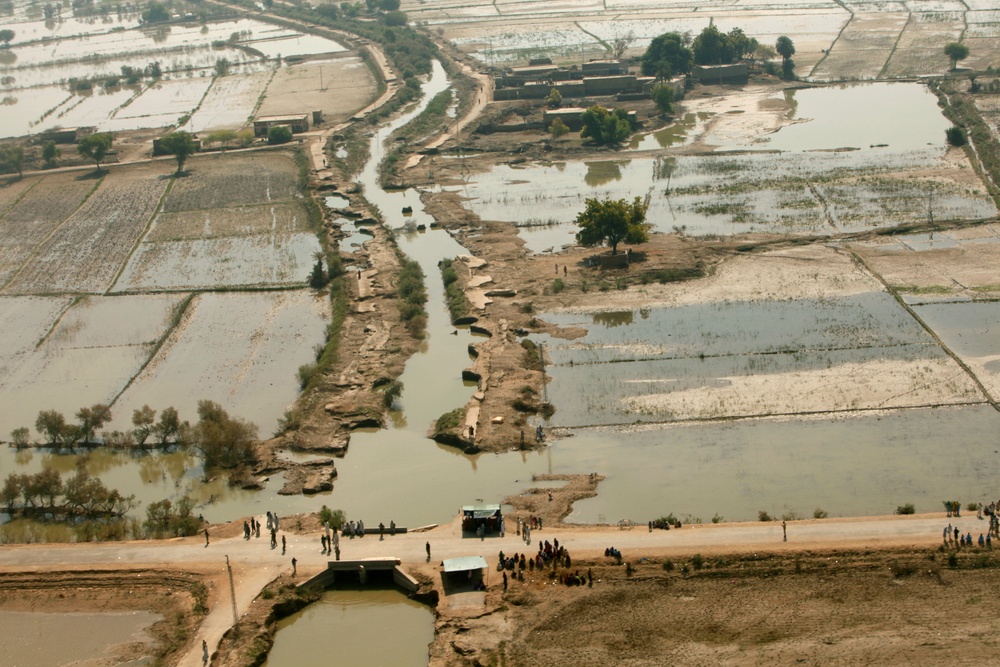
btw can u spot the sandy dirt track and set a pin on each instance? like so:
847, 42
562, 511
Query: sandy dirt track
255, 564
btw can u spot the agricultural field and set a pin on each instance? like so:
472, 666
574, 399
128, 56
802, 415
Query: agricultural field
229, 103
730, 353
224, 181
238, 220
89, 248
835, 41
67, 356
955, 265
160, 105
240, 349
38, 67
339, 87
44, 203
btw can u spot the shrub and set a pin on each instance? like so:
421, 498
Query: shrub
819, 513
532, 355
279, 134
955, 136
668, 565
334, 518
908, 508
718, 518
306, 374
762, 515
557, 286
697, 561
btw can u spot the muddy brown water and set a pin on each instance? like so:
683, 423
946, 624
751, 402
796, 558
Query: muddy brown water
356, 627
902, 128
27, 639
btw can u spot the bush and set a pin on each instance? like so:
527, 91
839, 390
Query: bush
697, 562
762, 515
908, 508
955, 136
718, 518
279, 134
334, 518
557, 286
819, 513
532, 355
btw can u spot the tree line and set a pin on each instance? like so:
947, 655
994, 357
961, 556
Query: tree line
222, 440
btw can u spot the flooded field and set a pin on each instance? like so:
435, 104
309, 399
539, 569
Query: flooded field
829, 177
41, 62
370, 627
238, 222
238, 349
83, 638
859, 466
66, 356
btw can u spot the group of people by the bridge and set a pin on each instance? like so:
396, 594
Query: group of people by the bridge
953, 536
330, 541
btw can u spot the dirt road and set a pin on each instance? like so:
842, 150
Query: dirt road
255, 563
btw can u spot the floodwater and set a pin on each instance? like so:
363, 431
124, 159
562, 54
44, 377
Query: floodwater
867, 116
810, 187
857, 466
80, 638
368, 626
239, 349
677, 133
35, 96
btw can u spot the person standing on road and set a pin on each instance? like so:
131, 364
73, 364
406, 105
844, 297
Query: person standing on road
204, 652
294, 563
206, 537
784, 531
282, 545
428, 552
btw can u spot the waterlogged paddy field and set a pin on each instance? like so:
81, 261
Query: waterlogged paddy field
41, 61
739, 359
845, 376
236, 221
829, 177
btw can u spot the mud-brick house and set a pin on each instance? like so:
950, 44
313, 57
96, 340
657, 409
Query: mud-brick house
296, 123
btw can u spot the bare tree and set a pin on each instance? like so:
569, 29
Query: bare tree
620, 44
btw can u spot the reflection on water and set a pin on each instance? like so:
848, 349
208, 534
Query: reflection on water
355, 627
872, 116
848, 467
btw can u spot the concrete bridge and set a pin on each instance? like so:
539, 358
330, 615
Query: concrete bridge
359, 570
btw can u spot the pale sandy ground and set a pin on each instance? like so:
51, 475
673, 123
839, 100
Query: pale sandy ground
255, 564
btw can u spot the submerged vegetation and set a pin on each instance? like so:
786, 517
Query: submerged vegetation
458, 305
412, 297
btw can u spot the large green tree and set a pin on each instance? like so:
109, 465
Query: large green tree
786, 49
612, 221
955, 52
181, 145
6, 36
666, 56
605, 128
712, 47
95, 147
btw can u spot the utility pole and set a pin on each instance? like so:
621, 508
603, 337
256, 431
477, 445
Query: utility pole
232, 593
